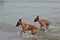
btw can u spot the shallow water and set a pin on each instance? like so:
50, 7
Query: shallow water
12, 10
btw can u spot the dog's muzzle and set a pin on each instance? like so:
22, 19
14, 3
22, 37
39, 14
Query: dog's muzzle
16, 25
34, 20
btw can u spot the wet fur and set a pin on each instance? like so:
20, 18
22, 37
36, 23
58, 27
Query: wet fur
43, 23
27, 27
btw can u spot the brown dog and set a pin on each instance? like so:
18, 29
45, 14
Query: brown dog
43, 23
27, 27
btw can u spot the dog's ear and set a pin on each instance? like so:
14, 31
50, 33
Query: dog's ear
20, 19
38, 16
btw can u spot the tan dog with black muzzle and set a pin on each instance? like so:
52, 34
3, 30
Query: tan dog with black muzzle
43, 23
27, 27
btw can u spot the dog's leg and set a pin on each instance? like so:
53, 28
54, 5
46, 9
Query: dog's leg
42, 28
47, 27
17, 29
22, 31
34, 31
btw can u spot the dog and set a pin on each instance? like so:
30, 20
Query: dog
43, 23
27, 27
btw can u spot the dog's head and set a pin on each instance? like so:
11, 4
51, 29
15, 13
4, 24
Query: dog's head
18, 23
36, 19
